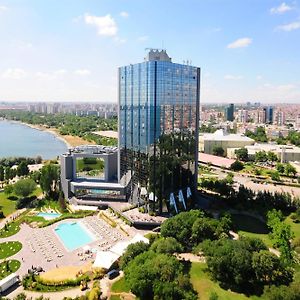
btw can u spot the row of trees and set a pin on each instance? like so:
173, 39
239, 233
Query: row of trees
260, 156
192, 227
245, 198
68, 124
245, 265
259, 135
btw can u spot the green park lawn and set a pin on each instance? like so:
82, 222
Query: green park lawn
115, 297
295, 226
251, 227
204, 286
120, 286
8, 249
6, 205
8, 202
8, 267
9, 230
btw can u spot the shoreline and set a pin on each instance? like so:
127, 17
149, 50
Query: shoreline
70, 141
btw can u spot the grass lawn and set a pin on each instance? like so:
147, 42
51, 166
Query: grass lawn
9, 248
205, 286
6, 205
11, 229
120, 286
251, 227
115, 297
81, 165
49, 203
295, 226
8, 267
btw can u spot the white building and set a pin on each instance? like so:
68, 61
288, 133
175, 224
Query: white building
208, 141
285, 153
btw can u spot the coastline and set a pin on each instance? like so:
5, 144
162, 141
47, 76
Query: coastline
70, 141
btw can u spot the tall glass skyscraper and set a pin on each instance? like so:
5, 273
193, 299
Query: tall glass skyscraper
158, 131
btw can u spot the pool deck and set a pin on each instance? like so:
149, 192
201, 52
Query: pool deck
41, 240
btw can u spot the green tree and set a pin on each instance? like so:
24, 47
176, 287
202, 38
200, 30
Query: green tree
8, 173
261, 156
38, 159
2, 176
291, 292
22, 169
280, 168
272, 156
242, 154
167, 245
275, 176
158, 276
131, 252
269, 269
218, 151
9, 189
49, 180
290, 170
24, 187
281, 234
237, 166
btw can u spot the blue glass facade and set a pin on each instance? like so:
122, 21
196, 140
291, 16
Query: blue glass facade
158, 128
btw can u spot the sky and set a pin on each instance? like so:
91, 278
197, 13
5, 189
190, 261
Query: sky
70, 50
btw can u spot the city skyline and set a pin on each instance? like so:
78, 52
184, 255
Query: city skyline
71, 53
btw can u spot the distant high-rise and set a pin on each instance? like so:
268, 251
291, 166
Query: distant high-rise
229, 112
158, 131
269, 114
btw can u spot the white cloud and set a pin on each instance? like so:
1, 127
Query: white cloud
286, 87
82, 72
60, 72
289, 27
44, 76
51, 75
281, 9
240, 43
124, 14
143, 38
259, 77
14, 73
106, 25
233, 77
3, 8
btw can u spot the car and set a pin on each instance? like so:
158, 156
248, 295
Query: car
113, 274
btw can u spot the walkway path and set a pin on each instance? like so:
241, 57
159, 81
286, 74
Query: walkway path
11, 217
72, 293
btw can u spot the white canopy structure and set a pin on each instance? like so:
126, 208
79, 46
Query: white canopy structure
105, 259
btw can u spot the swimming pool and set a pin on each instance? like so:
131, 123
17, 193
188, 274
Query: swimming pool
73, 235
48, 215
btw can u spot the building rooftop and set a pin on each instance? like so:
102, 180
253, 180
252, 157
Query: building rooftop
157, 54
273, 147
92, 149
215, 160
220, 135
